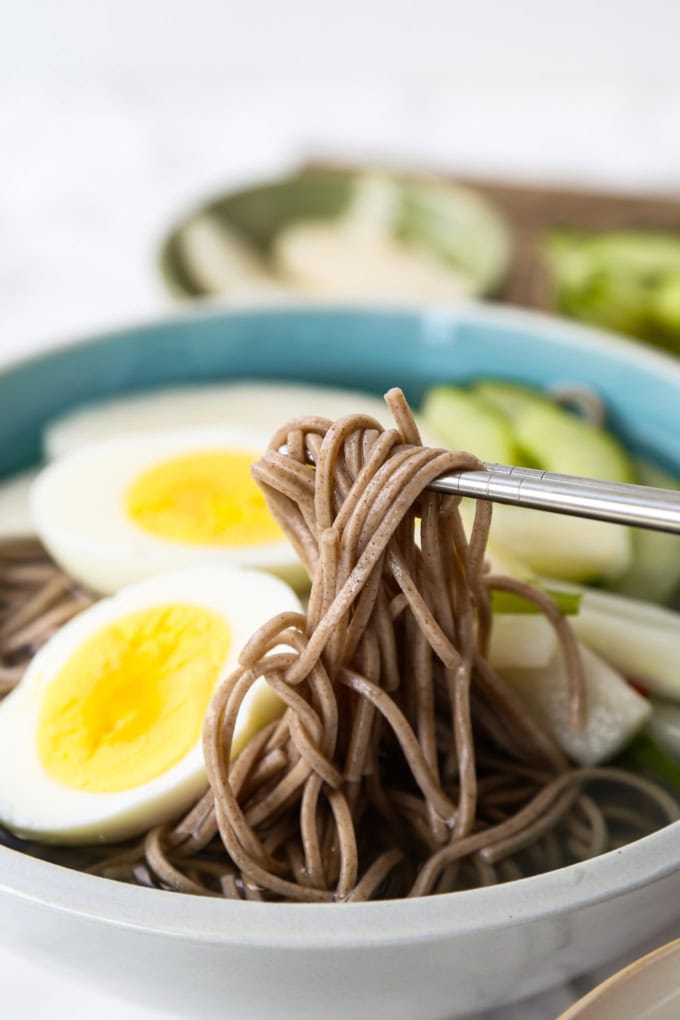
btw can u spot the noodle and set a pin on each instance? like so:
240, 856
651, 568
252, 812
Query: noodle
403, 763
36, 598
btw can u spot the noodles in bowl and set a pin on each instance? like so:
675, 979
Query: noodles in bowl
431, 956
403, 764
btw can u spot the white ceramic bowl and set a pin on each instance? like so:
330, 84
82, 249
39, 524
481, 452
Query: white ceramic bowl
429, 959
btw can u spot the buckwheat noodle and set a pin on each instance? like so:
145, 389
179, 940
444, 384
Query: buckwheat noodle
403, 764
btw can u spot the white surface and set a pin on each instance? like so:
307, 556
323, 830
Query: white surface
114, 116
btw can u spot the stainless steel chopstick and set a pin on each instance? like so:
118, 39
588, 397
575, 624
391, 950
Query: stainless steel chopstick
618, 502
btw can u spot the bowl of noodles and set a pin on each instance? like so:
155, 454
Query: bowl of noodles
362, 814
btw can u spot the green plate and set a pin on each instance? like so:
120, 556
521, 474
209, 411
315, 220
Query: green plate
455, 223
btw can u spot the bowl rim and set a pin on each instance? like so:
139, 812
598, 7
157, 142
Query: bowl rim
356, 925
323, 926
474, 311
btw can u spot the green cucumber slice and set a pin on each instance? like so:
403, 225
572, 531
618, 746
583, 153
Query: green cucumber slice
465, 421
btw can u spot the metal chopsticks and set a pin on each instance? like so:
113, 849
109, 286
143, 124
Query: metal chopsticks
618, 502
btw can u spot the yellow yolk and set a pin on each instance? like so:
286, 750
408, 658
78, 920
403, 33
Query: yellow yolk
130, 702
205, 499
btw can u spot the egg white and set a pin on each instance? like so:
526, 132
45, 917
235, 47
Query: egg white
78, 508
15, 517
261, 405
33, 804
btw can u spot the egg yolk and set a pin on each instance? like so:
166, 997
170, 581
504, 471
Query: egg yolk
130, 702
203, 498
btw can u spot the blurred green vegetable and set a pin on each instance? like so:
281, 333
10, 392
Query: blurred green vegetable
654, 573
644, 755
514, 424
624, 280
567, 602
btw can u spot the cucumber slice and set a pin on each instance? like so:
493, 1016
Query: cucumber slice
626, 280
655, 571
525, 543
559, 441
554, 438
508, 398
563, 547
514, 424
465, 421
666, 305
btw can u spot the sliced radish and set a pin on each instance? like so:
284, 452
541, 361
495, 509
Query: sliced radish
614, 711
521, 641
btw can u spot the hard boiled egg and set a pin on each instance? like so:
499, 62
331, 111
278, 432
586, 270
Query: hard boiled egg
122, 509
260, 405
102, 738
15, 519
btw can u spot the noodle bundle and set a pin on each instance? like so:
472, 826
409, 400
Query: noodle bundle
403, 764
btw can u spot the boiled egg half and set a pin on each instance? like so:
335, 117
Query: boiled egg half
15, 518
122, 509
101, 740
261, 405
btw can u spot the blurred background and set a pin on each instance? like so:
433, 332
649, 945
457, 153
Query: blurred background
116, 118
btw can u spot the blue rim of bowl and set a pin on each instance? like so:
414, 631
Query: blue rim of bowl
550, 327
356, 925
